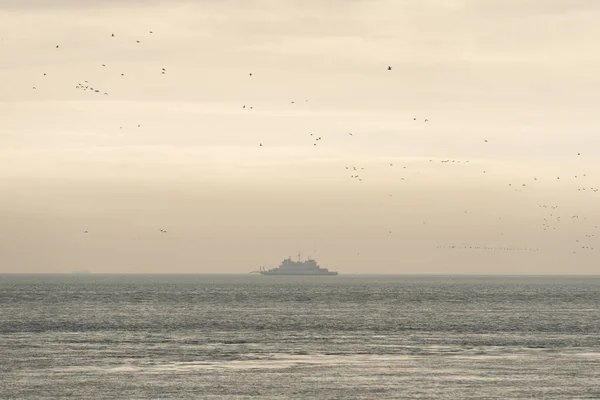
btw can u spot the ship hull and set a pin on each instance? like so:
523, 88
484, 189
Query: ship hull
298, 273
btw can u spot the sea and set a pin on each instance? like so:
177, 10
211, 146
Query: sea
264, 337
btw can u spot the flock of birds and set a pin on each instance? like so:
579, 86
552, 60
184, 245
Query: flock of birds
87, 87
550, 221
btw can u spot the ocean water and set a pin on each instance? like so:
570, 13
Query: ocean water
255, 337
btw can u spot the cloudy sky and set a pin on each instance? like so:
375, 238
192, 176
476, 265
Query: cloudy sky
510, 89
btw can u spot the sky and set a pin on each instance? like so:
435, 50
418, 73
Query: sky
244, 170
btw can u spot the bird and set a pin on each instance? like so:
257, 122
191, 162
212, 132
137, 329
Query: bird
261, 145
113, 35
137, 41
57, 46
85, 231
250, 74
389, 68
426, 120
151, 32
34, 88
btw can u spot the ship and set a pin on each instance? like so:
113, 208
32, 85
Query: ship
289, 267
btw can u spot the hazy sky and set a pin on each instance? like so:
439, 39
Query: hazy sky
521, 74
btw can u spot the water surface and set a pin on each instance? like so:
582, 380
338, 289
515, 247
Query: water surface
344, 337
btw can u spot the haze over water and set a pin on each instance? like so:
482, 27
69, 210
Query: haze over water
161, 126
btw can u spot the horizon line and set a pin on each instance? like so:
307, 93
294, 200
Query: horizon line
248, 274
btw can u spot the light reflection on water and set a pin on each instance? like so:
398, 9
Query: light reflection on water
239, 337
